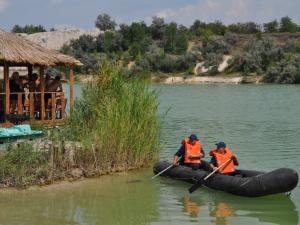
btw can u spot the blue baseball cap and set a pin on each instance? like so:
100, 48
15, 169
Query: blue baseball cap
221, 144
193, 137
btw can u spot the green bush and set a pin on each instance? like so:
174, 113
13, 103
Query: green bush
22, 166
116, 120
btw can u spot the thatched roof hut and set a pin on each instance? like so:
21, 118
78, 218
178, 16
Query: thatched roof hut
17, 51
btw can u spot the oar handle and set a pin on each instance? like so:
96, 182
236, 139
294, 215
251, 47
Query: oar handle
212, 173
169, 167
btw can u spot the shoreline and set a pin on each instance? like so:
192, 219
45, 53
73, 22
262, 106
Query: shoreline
68, 181
181, 79
221, 79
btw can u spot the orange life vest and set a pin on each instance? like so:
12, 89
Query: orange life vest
222, 158
191, 150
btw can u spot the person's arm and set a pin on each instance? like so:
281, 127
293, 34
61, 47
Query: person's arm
235, 160
178, 154
213, 163
202, 153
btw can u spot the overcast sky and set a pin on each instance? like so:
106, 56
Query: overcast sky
82, 13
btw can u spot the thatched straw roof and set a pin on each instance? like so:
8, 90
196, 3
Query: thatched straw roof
18, 51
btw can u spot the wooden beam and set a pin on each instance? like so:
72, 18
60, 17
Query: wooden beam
7, 88
71, 83
42, 85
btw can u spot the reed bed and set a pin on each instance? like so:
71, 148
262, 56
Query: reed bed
116, 121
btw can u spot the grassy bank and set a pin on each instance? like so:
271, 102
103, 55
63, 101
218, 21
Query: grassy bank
113, 127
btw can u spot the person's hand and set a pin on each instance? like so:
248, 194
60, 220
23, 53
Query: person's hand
213, 167
175, 163
233, 157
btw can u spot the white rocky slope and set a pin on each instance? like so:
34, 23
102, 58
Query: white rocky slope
56, 39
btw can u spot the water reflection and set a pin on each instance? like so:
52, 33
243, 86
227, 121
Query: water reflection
213, 207
190, 207
222, 211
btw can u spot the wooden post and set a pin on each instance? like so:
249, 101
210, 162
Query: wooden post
29, 70
53, 107
20, 111
71, 83
42, 116
7, 89
31, 105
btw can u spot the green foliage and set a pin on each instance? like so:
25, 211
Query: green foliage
157, 28
216, 28
22, 166
286, 71
205, 35
257, 57
271, 27
297, 46
104, 22
215, 46
28, 29
116, 119
174, 41
231, 38
162, 47
212, 61
287, 25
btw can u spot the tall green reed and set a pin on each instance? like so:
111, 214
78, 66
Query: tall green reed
116, 120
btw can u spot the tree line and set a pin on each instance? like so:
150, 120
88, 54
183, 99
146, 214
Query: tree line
174, 48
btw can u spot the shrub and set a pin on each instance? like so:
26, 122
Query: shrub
258, 56
287, 71
231, 38
215, 46
22, 166
212, 61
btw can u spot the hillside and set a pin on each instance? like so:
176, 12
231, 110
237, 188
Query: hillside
56, 39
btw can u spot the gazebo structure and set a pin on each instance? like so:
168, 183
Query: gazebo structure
32, 106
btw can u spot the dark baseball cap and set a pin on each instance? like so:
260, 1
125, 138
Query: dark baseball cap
221, 144
193, 137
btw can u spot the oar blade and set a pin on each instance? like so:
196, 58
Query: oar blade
195, 186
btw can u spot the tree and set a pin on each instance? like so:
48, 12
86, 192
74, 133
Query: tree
287, 25
157, 28
104, 22
112, 42
244, 28
217, 27
28, 29
196, 28
271, 27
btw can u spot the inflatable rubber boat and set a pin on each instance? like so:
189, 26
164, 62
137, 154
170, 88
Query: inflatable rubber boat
247, 183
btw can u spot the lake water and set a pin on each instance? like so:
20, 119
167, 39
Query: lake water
261, 123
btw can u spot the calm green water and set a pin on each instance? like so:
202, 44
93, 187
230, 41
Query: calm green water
261, 124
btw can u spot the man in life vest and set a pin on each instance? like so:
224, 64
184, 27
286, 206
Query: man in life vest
191, 152
220, 155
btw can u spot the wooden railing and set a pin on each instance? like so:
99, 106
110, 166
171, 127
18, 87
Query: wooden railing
31, 105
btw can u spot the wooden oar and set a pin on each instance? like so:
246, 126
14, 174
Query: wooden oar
199, 183
161, 172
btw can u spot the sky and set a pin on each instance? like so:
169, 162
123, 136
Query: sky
82, 13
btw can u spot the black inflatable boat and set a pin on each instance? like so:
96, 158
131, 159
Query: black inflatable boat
247, 183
